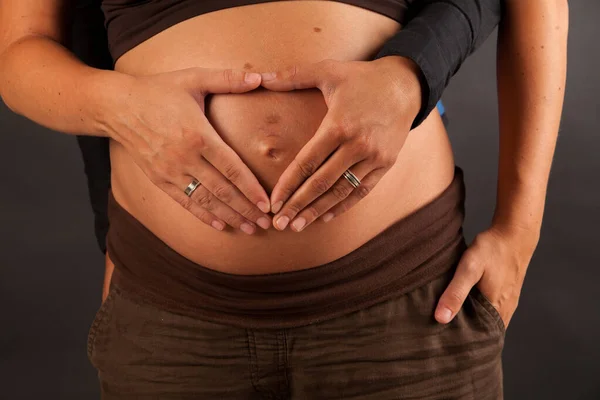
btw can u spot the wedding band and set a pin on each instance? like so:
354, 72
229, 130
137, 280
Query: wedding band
191, 187
354, 181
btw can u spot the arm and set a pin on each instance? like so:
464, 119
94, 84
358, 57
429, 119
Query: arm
438, 37
43, 81
410, 72
531, 65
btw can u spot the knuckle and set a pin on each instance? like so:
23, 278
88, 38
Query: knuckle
453, 300
232, 173
249, 212
205, 200
363, 145
292, 71
287, 192
379, 158
228, 75
328, 88
340, 131
320, 184
387, 161
342, 208
165, 167
313, 212
293, 208
202, 214
193, 139
345, 129
306, 168
233, 219
223, 193
185, 202
341, 191
471, 267
362, 191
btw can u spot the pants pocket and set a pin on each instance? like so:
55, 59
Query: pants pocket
487, 305
99, 322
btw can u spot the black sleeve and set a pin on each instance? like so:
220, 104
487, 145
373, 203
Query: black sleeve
438, 36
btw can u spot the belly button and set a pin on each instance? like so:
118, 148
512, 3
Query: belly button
269, 151
272, 153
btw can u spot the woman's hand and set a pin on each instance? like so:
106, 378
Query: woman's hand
372, 105
496, 262
161, 123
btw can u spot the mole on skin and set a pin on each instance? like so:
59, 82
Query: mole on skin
273, 119
317, 29
248, 66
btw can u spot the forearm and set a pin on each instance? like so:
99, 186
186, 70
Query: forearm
531, 62
41, 80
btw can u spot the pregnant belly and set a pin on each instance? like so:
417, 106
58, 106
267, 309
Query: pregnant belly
267, 130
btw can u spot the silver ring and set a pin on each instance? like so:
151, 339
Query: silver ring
191, 187
354, 181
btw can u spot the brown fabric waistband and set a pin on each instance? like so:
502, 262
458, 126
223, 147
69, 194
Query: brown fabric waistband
406, 255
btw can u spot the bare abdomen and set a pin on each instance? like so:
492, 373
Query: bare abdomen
267, 129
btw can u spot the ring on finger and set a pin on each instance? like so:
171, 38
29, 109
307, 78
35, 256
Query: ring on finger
191, 187
353, 179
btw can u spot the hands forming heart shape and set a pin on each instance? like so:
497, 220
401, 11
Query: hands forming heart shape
371, 106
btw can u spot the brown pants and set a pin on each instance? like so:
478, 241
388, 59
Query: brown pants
391, 350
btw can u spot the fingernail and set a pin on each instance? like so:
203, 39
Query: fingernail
282, 222
277, 207
444, 315
264, 207
217, 225
268, 76
247, 228
264, 223
299, 224
252, 77
327, 217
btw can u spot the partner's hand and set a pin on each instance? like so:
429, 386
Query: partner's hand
496, 263
162, 125
372, 105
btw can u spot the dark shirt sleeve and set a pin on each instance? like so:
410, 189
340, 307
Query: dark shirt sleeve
438, 36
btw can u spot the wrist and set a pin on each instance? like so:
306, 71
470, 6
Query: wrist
523, 238
108, 91
405, 75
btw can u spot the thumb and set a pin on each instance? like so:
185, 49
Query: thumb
213, 80
295, 77
467, 274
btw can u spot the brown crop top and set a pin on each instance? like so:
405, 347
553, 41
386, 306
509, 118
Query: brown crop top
130, 22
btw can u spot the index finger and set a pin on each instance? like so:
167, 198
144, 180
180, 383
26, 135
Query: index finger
304, 76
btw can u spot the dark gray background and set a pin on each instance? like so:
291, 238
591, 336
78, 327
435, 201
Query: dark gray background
51, 270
